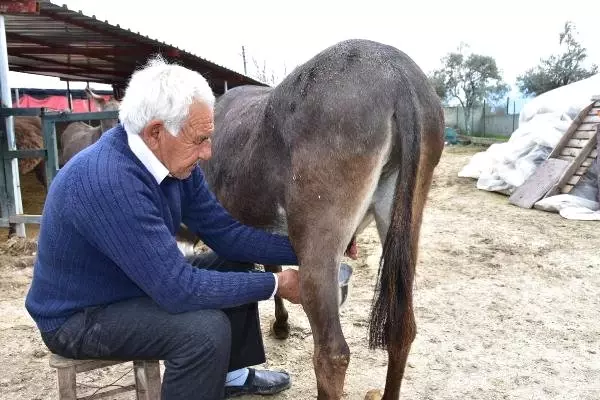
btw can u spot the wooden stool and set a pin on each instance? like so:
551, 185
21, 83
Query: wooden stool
147, 377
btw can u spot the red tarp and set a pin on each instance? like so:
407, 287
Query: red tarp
57, 103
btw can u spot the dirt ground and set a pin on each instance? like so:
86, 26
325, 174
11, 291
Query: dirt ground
506, 303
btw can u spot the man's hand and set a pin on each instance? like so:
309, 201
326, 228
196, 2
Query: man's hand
289, 285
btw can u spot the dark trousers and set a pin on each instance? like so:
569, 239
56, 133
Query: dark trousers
198, 348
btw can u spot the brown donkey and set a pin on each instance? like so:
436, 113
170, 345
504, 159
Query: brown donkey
352, 135
79, 135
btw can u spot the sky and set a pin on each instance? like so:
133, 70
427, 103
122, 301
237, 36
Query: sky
284, 34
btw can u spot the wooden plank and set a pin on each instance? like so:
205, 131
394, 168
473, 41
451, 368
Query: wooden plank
595, 110
543, 178
582, 170
566, 158
582, 134
566, 189
575, 126
570, 151
587, 162
591, 119
573, 180
587, 127
80, 365
575, 164
594, 153
577, 143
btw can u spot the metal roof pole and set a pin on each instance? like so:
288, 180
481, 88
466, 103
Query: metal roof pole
11, 167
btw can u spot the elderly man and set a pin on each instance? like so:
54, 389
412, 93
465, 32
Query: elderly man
109, 280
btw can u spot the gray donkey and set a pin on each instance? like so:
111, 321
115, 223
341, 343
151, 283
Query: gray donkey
352, 135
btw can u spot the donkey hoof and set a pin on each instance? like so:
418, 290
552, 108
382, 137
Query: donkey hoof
374, 394
280, 329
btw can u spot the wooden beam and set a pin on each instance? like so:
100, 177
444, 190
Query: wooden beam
566, 189
537, 185
573, 180
588, 161
583, 134
570, 151
587, 127
591, 119
577, 143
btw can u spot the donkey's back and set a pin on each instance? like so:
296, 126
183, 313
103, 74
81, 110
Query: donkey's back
343, 100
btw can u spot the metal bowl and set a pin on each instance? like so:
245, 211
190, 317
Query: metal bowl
344, 275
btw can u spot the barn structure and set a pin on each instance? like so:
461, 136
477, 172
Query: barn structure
40, 37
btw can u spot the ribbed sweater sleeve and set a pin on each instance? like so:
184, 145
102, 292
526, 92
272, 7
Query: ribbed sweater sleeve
232, 240
116, 210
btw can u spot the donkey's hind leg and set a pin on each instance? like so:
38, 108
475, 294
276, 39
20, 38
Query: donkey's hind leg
280, 326
328, 200
399, 347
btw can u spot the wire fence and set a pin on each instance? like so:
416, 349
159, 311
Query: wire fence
484, 120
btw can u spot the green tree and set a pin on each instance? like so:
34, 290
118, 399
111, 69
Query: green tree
468, 78
559, 69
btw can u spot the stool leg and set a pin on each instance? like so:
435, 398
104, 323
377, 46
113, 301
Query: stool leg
147, 380
67, 385
154, 381
141, 380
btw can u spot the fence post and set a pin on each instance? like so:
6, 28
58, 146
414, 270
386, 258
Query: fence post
457, 118
49, 135
484, 118
513, 117
472, 123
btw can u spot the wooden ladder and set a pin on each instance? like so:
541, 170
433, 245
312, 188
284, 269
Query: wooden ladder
579, 147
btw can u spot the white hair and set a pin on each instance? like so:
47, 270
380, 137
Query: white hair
162, 91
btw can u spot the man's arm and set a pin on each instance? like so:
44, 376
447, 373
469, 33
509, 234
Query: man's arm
120, 218
205, 216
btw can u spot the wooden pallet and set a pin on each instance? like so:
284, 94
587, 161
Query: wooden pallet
567, 163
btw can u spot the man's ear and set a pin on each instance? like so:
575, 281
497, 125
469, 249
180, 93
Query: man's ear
151, 134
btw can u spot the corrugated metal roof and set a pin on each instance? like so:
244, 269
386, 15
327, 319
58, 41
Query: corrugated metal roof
72, 46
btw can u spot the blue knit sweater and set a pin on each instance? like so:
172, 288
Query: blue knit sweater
107, 234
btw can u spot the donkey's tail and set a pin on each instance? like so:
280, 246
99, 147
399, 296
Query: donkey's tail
391, 315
